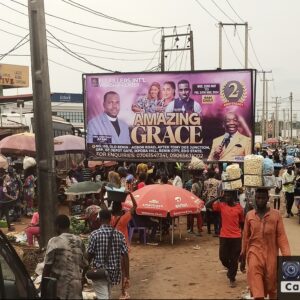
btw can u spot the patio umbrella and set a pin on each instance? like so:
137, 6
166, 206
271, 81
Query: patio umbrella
272, 141
68, 144
20, 144
84, 187
159, 200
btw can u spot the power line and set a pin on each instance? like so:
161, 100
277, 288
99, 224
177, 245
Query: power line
207, 11
81, 58
235, 11
236, 56
86, 25
100, 43
55, 62
251, 44
82, 37
18, 45
220, 9
85, 54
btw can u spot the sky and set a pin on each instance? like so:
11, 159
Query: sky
273, 43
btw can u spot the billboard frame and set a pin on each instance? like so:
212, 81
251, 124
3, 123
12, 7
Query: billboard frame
253, 77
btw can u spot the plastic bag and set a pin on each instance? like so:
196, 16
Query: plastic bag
268, 167
28, 162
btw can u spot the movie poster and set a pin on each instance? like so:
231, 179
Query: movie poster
170, 116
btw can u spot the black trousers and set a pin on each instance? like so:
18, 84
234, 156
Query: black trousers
289, 197
213, 217
229, 253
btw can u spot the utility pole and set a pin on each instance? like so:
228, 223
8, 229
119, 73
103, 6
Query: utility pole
189, 48
276, 118
263, 120
267, 106
284, 125
42, 120
291, 115
220, 41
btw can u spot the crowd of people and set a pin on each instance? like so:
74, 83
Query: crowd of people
244, 223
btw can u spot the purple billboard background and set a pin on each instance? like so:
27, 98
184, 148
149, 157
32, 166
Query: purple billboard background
214, 106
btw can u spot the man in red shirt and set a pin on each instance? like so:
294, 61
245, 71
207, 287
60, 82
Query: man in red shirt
232, 217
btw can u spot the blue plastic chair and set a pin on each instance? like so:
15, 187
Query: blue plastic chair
132, 227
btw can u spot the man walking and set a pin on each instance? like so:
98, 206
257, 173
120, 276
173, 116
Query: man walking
288, 182
230, 236
115, 262
65, 260
263, 236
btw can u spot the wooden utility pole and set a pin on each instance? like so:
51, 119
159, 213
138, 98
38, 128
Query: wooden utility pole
42, 120
189, 48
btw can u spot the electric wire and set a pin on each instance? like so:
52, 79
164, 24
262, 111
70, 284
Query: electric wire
76, 4
207, 11
235, 11
220, 9
236, 56
150, 62
73, 34
57, 63
79, 57
18, 45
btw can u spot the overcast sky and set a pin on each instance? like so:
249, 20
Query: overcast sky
274, 26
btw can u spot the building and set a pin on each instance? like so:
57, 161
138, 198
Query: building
67, 111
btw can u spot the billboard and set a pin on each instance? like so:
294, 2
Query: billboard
14, 76
170, 116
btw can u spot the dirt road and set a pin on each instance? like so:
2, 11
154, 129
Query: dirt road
181, 272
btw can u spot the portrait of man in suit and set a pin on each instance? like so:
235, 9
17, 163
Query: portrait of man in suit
232, 143
107, 128
184, 103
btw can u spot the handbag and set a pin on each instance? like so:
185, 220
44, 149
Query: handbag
101, 273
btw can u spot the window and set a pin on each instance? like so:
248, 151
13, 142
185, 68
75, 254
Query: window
72, 117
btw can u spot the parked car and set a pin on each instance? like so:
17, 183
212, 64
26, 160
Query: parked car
15, 282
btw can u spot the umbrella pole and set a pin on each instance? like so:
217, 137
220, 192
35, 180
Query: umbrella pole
172, 236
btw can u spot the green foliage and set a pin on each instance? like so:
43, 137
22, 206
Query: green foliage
77, 226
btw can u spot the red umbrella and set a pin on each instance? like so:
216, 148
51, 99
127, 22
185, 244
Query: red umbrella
158, 200
20, 144
68, 143
272, 141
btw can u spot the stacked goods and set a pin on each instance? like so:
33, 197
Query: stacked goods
290, 160
196, 164
253, 168
268, 171
28, 162
234, 176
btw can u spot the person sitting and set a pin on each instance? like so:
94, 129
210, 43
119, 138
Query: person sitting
149, 223
33, 230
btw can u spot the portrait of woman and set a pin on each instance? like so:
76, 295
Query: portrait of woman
149, 103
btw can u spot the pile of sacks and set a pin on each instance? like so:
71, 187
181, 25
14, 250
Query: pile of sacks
259, 171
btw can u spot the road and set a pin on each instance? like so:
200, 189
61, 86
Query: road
182, 272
